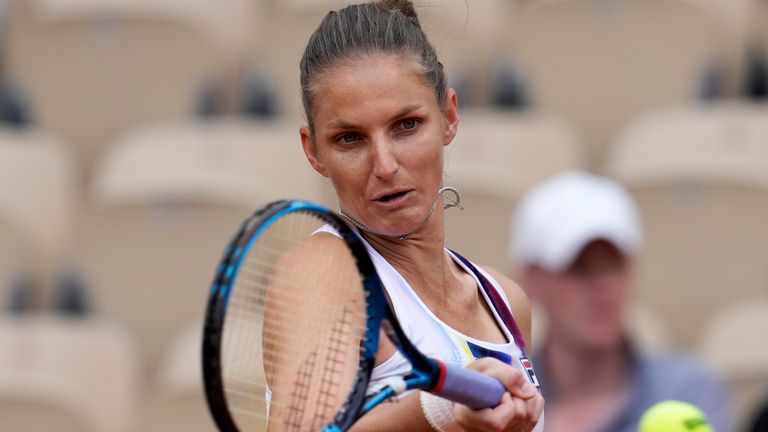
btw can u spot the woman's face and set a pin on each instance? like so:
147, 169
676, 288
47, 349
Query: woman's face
379, 136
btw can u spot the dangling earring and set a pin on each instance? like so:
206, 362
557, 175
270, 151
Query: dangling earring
453, 198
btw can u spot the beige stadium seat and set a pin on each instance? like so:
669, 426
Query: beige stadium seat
67, 375
38, 202
93, 72
229, 24
177, 400
700, 178
163, 205
733, 342
600, 63
495, 157
759, 28
462, 33
291, 23
232, 26
734, 19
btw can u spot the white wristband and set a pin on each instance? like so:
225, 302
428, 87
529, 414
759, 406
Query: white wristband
438, 412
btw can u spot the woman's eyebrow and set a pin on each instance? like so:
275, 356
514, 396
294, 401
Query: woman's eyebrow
406, 110
343, 124
340, 124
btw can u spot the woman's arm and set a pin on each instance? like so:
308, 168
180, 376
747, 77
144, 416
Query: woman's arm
404, 414
313, 323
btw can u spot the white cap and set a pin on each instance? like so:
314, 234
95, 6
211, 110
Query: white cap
559, 217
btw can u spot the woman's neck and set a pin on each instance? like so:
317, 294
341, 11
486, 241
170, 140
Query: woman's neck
421, 257
440, 282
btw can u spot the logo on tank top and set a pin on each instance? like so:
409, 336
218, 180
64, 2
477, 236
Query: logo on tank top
528, 367
480, 352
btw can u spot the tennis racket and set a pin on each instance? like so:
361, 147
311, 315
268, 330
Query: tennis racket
292, 328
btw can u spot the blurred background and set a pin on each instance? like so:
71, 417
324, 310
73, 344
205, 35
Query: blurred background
136, 135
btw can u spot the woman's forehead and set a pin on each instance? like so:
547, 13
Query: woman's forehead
371, 84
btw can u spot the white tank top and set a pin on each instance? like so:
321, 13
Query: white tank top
435, 338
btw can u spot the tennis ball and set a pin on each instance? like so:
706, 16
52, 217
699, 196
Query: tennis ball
674, 416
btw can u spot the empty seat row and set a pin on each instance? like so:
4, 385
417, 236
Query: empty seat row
93, 69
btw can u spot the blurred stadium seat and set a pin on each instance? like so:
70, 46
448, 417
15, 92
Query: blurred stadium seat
277, 56
462, 34
700, 177
66, 375
163, 205
38, 204
760, 24
177, 401
495, 157
600, 63
733, 341
758, 74
93, 72
733, 20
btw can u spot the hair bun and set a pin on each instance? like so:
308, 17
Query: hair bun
405, 7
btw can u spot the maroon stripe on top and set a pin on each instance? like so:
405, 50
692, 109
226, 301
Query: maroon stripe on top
497, 302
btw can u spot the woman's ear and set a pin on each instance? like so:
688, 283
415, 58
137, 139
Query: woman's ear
310, 150
451, 116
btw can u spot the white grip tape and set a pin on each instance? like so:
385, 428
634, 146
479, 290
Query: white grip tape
397, 384
439, 413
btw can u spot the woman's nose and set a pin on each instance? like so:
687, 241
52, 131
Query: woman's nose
385, 162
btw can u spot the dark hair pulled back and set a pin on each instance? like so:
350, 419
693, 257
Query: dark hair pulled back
383, 27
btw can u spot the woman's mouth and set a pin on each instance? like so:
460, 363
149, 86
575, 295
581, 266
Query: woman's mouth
393, 199
393, 196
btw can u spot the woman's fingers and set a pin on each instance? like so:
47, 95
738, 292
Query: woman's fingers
514, 381
535, 406
520, 408
511, 415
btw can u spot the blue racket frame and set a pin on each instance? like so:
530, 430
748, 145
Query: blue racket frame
221, 289
460, 385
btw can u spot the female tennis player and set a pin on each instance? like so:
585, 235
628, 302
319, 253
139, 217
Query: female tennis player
379, 115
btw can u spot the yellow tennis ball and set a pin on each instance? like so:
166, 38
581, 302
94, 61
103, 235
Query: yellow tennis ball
674, 416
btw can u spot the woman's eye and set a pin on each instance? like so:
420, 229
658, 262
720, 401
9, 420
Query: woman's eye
348, 138
409, 124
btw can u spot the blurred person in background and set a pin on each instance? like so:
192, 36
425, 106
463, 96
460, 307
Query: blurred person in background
574, 240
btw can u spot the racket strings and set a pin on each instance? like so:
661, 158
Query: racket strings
333, 373
300, 394
243, 306
294, 328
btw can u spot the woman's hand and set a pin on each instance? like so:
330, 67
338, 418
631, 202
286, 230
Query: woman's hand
519, 410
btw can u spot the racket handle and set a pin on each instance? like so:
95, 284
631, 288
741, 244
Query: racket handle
468, 387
